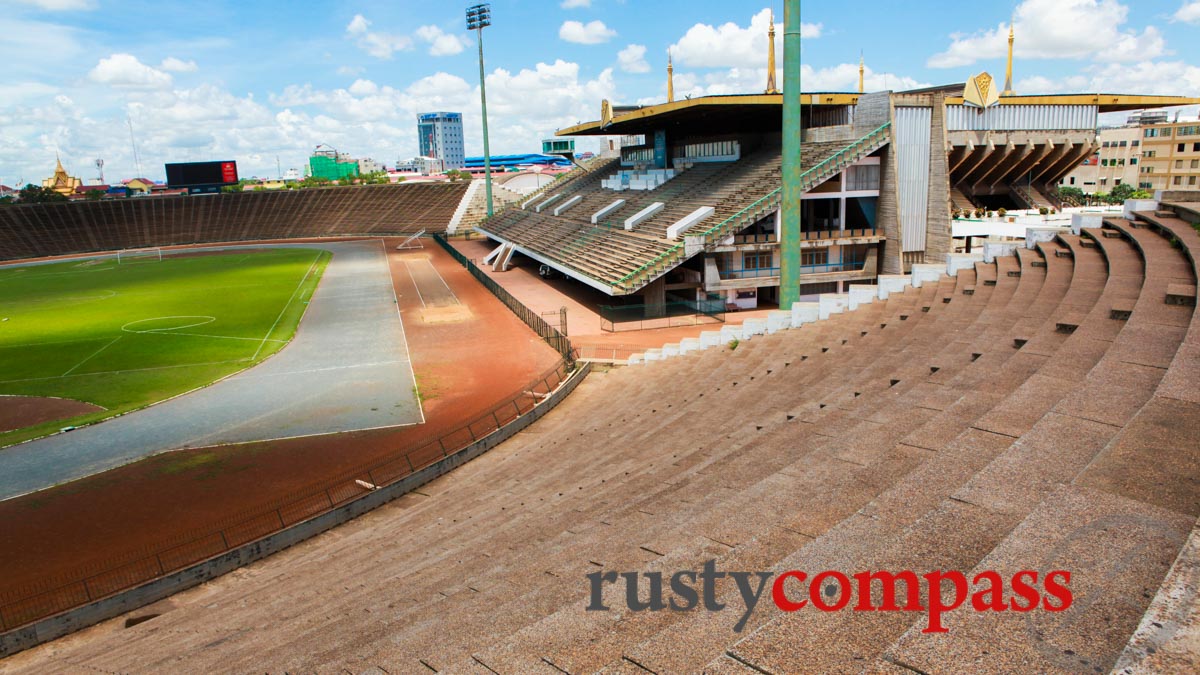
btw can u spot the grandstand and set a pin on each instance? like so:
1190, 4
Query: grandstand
1038, 412
881, 173
37, 230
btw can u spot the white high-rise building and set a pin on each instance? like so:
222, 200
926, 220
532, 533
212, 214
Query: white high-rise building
441, 135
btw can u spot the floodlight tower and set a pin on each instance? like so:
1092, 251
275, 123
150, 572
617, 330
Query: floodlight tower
479, 17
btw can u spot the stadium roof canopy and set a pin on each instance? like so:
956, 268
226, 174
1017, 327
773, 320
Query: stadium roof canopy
756, 112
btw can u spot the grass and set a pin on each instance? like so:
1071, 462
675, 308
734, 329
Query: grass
125, 336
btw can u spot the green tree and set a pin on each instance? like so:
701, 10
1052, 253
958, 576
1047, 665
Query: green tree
1072, 195
6, 200
1120, 193
35, 194
94, 195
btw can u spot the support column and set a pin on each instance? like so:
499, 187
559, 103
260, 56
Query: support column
654, 296
789, 236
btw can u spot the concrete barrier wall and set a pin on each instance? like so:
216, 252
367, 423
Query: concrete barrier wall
72, 620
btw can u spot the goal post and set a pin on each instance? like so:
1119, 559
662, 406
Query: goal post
139, 255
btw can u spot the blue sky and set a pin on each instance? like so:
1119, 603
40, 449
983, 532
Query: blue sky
253, 81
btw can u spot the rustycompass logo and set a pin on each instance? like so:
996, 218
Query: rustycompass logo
932, 593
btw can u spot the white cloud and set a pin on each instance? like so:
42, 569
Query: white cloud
124, 70
350, 71
61, 5
632, 59
575, 4
1189, 12
1057, 29
175, 65
442, 43
732, 46
363, 88
590, 33
1165, 78
379, 45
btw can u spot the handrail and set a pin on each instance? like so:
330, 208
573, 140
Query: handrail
766, 200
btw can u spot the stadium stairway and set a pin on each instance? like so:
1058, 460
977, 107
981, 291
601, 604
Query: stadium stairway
1038, 412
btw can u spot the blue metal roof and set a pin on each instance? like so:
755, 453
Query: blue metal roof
518, 160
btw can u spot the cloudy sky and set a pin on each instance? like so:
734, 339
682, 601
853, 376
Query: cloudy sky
255, 81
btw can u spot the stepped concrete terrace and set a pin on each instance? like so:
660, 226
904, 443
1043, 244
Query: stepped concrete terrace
39, 230
604, 253
1005, 418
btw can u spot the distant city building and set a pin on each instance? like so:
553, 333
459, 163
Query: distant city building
440, 135
62, 182
426, 166
330, 164
368, 165
558, 146
139, 186
292, 175
1148, 156
1147, 117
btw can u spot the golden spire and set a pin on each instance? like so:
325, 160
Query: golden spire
771, 88
1008, 88
670, 78
862, 66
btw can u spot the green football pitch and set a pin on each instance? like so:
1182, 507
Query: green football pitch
123, 336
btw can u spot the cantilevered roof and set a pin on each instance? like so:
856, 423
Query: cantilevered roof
756, 112
730, 113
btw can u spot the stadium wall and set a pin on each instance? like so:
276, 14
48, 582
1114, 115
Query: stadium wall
40, 230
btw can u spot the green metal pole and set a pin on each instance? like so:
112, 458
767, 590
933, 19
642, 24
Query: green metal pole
487, 152
789, 234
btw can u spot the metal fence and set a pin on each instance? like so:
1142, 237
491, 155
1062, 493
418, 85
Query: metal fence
550, 334
23, 605
614, 318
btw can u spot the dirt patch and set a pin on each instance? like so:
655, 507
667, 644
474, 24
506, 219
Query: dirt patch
17, 412
463, 369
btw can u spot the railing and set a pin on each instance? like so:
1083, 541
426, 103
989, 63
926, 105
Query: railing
661, 315
765, 204
549, 333
816, 235
818, 268
25, 605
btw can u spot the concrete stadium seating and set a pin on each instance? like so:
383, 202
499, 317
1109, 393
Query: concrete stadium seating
36, 230
1005, 418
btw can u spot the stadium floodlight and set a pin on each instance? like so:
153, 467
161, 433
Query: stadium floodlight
479, 17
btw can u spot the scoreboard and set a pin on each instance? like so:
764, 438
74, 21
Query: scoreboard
201, 174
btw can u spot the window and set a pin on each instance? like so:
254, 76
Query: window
1118, 181
1179, 180
1150, 133
1179, 164
1191, 180
1122, 144
1104, 162
814, 256
1104, 181
1121, 162
1180, 147
1133, 160
1072, 180
1187, 131
1196, 163
756, 261
1105, 144
1195, 147
1149, 153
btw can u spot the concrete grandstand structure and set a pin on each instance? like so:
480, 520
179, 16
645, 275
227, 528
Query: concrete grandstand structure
881, 174
1037, 412
36, 230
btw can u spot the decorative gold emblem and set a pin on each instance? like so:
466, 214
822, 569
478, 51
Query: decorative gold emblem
606, 113
980, 91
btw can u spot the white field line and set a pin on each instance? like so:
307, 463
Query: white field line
285, 307
130, 370
403, 333
106, 346
167, 331
443, 280
414, 280
249, 374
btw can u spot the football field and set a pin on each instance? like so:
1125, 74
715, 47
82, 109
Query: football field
124, 335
